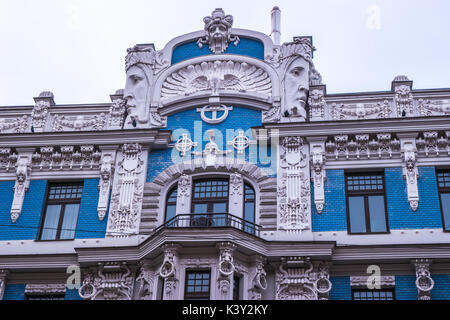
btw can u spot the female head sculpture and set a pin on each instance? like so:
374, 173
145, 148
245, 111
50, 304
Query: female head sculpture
296, 68
139, 71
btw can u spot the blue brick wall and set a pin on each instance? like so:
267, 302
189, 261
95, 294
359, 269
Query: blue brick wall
14, 292
428, 214
441, 289
27, 226
72, 295
246, 47
405, 288
340, 289
334, 215
190, 122
89, 226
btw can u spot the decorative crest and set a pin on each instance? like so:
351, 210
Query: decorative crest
218, 32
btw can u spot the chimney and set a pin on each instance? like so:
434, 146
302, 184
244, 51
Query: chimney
276, 26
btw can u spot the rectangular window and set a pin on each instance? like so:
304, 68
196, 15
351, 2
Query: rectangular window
443, 177
61, 211
375, 294
197, 285
366, 204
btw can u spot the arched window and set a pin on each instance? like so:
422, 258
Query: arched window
171, 203
249, 204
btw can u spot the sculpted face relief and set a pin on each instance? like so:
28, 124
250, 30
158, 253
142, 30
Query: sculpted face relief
296, 87
136, 92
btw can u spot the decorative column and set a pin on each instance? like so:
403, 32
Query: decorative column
294, 202
235, 204
146, 280
108, 281
23, 170
170, 273
257, 278
117, 111
402, 87
410, 172
3, 276
424, 283
39, 114
317, 147
226, 270
184, 194
317, 103
128, 188
107, 161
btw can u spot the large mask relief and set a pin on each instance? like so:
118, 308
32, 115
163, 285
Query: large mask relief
141, 65
296, 87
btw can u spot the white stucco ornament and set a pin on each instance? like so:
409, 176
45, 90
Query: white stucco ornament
218, 32
214, 110
217, 76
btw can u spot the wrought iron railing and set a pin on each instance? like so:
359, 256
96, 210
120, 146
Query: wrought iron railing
211, 220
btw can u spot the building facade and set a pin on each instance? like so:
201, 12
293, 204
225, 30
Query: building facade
224, 170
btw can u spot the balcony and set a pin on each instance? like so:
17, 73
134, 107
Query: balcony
213, 220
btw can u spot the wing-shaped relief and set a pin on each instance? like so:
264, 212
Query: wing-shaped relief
216, 76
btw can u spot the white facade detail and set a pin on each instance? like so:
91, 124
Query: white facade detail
433, 107
296, 280
126, 200
424, 282
317, 104
39, 114
294, 202
108, 281
258, 279
364, 281
218, 32
184, 145
106, 175
184, 194
214, 109
361, 111
21, 186
235, 205
14, 125
226, 270
217, 76
146, 282
241, 142
117, 112
170, 273
211, 154
318, 172
79, 122
410, 171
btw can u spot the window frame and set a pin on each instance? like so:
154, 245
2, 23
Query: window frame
210, 201
168, 194
63, 203
390, 289
440, 191
196, 296
366, 194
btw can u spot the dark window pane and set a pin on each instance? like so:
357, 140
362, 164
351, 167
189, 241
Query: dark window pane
51, 222
249, 211
171, 211
377, 214
357, 214
445, 201
69, 221
219, 207
200, 208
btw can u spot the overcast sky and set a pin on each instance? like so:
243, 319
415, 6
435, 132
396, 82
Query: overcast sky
76, 48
